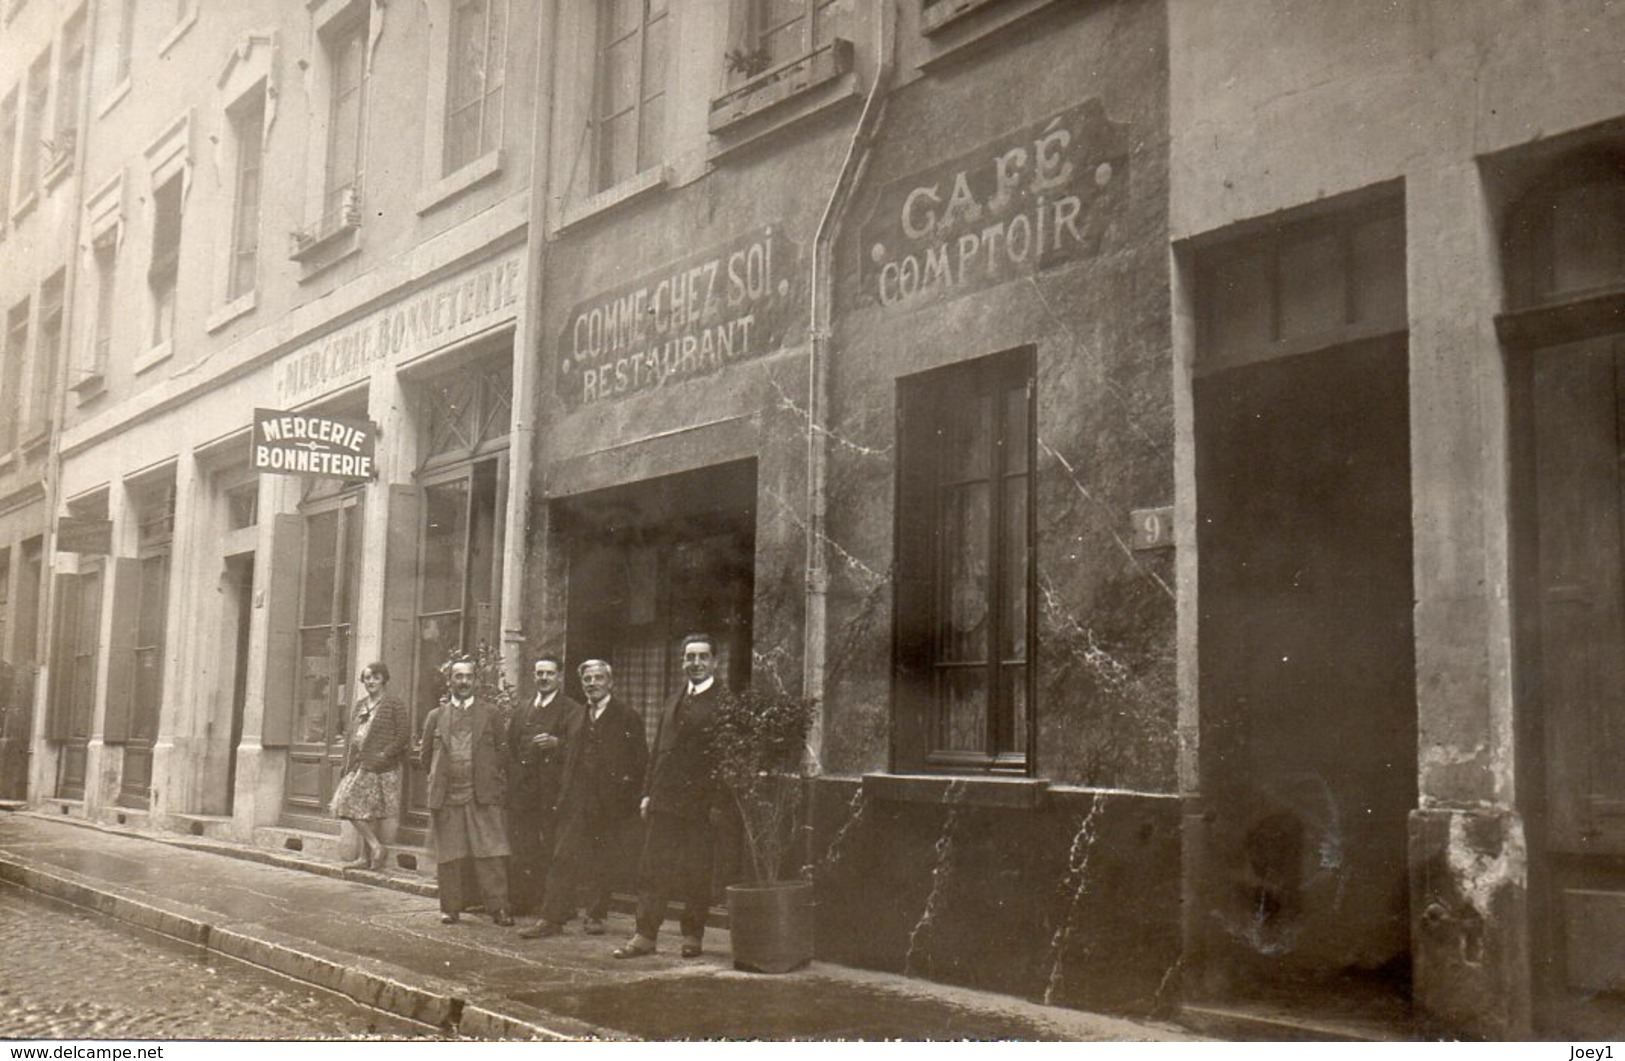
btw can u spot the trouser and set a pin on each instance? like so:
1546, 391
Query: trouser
531, 836
581, 869
676, 864
492, 875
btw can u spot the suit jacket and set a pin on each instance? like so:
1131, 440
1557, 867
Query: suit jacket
679, 778
536, 775
604, 776
387, 737
490, 753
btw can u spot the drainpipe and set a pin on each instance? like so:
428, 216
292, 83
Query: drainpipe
815, 648
526, 364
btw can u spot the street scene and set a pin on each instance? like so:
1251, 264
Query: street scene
815, 519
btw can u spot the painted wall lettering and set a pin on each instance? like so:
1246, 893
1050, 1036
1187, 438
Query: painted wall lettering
1029, 201
692, 318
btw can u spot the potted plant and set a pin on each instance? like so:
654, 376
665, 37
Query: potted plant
759, 742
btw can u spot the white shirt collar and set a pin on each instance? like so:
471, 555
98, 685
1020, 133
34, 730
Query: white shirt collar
599, 708
696, 690
543, 701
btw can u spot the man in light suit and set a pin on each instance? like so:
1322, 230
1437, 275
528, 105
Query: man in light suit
464, 751
680, 803
539, 738
602, 782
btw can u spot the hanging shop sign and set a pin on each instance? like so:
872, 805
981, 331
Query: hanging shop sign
437, 316
692, 318
322, 447
1034, 199
87, 537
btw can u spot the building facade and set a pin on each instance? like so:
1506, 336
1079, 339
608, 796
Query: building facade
1182, 472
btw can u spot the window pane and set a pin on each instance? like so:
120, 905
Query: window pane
321, 555
1013, 622
1013, 734
315, 686
1313, 286
445, 536
963, 722
1013, 443
969, 440
965, 567
350, 600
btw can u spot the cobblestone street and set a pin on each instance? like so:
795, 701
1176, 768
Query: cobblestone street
69, 974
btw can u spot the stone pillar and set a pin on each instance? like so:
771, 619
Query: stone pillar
177, 758
1468, 862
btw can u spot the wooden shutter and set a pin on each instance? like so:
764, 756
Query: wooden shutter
64, 624
281, 589
126, 578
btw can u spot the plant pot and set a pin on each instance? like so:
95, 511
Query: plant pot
771, 925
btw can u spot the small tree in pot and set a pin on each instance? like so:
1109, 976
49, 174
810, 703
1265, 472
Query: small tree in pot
759, 748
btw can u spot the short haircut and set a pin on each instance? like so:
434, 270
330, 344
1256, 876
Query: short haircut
581, 671
470, 664
695, 638
378, 668
548, 657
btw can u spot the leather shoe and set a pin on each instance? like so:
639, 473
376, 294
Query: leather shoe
358, 863
541, 930
633, 948
448, 919
503, 918
593, 927
691, 947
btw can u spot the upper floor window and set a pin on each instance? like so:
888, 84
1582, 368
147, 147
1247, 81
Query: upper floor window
165, 267
475, 72
126, 42
248, 132
34, 115
105, 252
69, 82
47, 353
11, 376
8, 152
771, 32
630, 90
346, 108
964, 598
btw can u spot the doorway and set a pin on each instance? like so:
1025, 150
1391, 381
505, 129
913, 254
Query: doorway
238, 586
1307, 685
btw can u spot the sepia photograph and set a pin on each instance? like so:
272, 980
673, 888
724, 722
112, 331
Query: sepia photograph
818, 521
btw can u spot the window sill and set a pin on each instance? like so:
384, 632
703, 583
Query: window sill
1013, 793
230, 312
334, 252
955, 28
935, 16
90, 384
36, 441
8, 460
58, 171
24, 207
768, 90
456, 183
632, 188
154, 357
120, 90
187, 22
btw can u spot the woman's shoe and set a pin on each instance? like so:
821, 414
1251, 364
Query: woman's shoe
358, 863
380, 860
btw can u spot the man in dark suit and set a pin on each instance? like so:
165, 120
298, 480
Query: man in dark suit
464, 751
601, 784
540, 734
680, 802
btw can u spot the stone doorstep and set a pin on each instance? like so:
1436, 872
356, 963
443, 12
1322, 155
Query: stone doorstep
368, 982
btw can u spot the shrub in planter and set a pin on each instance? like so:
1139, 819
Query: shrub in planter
759, 747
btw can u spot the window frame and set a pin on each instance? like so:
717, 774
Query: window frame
927, 404
603, 177
247, 120
13, 361
49, 336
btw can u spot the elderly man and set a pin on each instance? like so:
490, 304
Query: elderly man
463, 750
601, 784
680, 801
540, 735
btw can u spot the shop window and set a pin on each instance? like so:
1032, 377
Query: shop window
248, 135
964, 607
11, 376
47, 354
164, 269
467, 413
475, 73
629, 107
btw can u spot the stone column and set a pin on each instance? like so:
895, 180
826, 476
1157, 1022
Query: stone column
1468, 862
177, 756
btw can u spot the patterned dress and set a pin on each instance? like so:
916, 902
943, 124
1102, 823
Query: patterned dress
365, 793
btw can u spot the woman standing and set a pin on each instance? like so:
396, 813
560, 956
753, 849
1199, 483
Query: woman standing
370, 788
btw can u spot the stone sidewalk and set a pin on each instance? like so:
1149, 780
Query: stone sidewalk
384, 946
